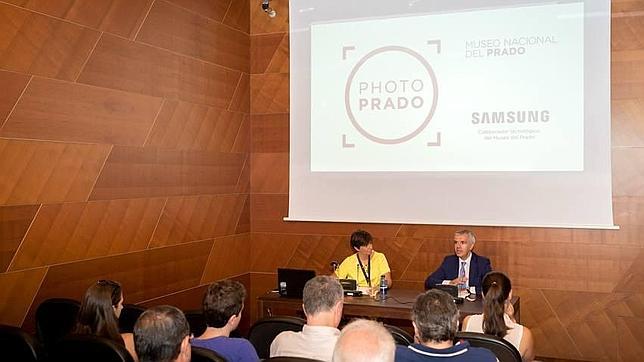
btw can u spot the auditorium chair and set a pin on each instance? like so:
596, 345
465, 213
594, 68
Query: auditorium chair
196, 321
18, 345
205, 355
502, 349
88, 348
129, 314
401, 336
263, 332
55, 318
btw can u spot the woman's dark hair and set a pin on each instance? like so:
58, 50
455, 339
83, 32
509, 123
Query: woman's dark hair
360, 238
96, 315
496, 290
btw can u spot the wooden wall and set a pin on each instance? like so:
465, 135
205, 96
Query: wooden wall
124, 139
582, 291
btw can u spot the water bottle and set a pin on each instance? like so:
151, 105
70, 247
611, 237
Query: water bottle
383, 288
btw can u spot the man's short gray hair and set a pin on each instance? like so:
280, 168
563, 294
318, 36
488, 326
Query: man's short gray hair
364, 341
321, 294
470, 235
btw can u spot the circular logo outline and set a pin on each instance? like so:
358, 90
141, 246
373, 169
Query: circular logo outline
347, 91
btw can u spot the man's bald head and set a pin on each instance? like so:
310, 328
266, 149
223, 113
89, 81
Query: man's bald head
364, 341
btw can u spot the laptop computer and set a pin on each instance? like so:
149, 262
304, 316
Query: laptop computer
290, 282
350, 287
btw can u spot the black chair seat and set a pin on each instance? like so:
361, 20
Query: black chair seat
89, 348
197, 322
129, 314
401, 336
205, 355
18, 345
55, 318
263, 332
502, 349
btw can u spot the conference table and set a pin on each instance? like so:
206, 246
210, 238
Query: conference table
397, 306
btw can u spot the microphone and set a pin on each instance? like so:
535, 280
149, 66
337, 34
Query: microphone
334, 266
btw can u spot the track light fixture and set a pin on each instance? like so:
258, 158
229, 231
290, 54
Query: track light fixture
266, 6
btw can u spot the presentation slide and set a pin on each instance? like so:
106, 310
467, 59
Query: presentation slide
472, 90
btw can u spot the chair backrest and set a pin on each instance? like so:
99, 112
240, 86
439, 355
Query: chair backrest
88, 348
197, 322
502, 349
129, 314
205, 355
18, 345
401, 336
55, 318
263, 332
290, 359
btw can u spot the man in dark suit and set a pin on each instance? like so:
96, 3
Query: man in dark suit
465, 268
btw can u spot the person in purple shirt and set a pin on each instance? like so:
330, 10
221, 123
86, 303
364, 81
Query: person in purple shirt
222, 308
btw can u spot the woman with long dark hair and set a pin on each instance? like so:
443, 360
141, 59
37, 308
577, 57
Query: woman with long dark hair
498, 315
99, 313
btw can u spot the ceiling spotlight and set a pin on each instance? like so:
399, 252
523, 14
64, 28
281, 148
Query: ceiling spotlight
266, 6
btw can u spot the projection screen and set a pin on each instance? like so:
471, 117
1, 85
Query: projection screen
450, 112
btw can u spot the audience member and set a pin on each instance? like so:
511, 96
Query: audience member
364, 341
366, 266
322, 303
162, 334
435, 321
466, 268
498, 316
222, 308
99, 312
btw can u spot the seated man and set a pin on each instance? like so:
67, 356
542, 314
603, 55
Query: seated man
162, 333
465, 269
323, 298
364, 341
435, 320
222, 308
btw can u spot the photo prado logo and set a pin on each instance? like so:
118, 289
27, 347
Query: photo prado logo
391, 94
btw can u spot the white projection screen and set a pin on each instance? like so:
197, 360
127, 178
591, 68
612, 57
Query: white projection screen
450, 112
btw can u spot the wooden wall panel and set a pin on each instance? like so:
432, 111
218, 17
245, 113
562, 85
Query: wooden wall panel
144, 275
48, 172
62, 111
13, 85
190, 126
269, 93
270, 133
629, 335
628, 123
121, 17
36, 44
229, 258
18, 290
84, 230
269, 173
75, 72
263, 48
14, 223
197, 218
171, 27
213, 9
144, 172
241, 98
158, 73
627, 176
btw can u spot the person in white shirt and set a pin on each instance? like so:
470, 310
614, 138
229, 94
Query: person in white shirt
498, 316
323, 299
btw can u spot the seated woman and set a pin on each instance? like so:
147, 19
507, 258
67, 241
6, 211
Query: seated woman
222, 309
498, 315
99, 312
366, 266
